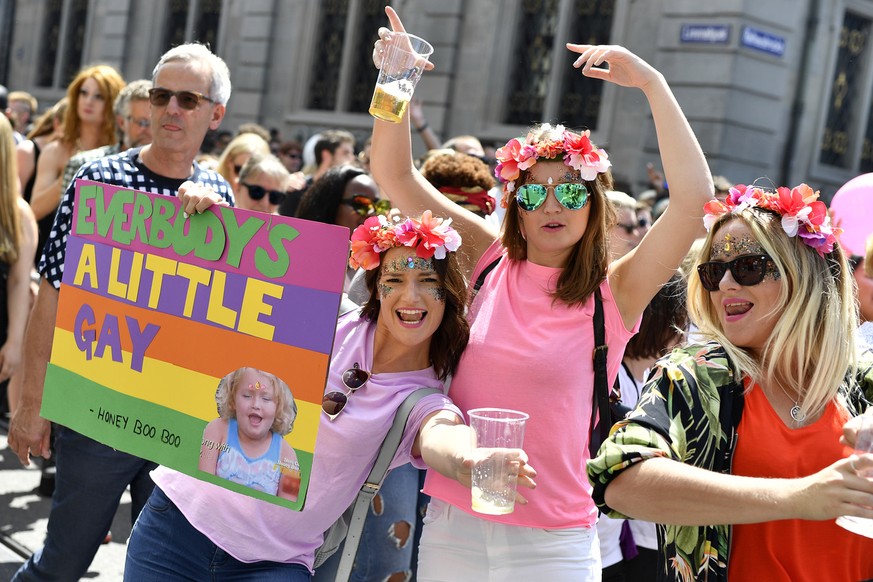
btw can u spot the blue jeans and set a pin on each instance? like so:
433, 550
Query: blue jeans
384, 549
90, 480
165, 546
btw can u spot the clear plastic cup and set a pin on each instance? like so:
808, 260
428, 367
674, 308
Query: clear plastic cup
498, 434
402, 65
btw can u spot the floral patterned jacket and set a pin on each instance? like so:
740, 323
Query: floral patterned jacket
689, 411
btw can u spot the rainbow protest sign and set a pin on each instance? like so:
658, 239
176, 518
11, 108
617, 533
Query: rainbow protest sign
155, 309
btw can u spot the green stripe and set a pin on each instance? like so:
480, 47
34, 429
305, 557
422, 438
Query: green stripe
124, 423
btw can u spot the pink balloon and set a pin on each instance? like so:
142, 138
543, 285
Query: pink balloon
852, 208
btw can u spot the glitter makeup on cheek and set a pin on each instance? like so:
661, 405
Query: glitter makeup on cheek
385, 290
438, 293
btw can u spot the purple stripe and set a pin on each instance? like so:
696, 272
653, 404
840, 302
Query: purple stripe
317, 256
304, 318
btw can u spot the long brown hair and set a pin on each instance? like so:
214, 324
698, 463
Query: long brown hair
45, 124
589, 259
10, 225
453, 333
110, 83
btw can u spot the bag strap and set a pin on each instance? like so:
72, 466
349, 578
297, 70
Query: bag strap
374, 481
480, 280
600, 405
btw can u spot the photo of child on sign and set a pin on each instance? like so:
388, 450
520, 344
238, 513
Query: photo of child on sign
245, 443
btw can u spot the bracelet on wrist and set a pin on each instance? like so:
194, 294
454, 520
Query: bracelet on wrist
422, 127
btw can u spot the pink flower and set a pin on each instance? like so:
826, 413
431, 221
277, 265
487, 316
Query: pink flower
582, 156
514, 157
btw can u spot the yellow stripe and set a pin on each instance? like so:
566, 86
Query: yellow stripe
168, 385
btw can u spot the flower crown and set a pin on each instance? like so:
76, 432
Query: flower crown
429, 236
547, 142
803, 214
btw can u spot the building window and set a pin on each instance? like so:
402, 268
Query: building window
342, 74
840, 136
192, 21
60, 55
543, 83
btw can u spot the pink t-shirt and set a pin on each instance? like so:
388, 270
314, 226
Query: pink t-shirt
251, 530
530, 354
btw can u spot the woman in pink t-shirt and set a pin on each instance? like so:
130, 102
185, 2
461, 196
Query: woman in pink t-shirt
531, 335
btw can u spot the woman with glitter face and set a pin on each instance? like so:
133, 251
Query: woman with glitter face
735, 443
408, 335
531, 323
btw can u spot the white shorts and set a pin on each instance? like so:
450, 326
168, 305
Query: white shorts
458, 547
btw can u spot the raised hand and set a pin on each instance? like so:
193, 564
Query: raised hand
624, 67
387, 39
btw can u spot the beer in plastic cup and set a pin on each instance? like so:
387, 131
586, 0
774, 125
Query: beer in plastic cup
401, 68
495, 468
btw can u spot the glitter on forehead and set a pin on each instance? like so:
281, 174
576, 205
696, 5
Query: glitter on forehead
550, 180
731, 245
255, 386
410, 262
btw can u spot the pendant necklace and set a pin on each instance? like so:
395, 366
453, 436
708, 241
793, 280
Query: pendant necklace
796, 414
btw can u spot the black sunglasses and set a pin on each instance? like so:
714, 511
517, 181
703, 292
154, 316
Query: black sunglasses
334, 402
630, 228
746, 270
571, 196
256, 193
186, 99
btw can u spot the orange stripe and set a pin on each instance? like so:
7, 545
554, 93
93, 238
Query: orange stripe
204, 348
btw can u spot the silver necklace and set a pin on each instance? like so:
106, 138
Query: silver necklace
796, 414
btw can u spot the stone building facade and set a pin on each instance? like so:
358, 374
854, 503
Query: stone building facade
779, 88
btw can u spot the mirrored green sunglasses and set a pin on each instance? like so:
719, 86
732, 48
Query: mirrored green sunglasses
572, 196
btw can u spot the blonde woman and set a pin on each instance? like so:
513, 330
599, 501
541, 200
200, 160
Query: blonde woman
17, 244
237, 153
734, 444
262, 182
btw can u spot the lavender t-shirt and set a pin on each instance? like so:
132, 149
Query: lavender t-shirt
346, 448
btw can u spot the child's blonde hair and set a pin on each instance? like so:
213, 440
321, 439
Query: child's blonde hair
286, 408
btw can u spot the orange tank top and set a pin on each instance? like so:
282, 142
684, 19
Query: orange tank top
793, 550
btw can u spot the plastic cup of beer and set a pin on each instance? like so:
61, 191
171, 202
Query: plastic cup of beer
402, 65
863, 444
498, 433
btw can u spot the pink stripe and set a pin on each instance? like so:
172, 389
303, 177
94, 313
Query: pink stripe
316, 256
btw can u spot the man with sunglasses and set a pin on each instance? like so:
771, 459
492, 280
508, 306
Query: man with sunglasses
191, 88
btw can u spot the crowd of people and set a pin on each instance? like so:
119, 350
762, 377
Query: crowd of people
736, 331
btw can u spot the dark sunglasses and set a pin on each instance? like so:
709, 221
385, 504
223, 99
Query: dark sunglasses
747, 270
630, 228
334, 402
186, 99
571, 196
361, 204
257, 192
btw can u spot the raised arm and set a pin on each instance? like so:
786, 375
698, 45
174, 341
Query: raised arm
392, 168
636, 277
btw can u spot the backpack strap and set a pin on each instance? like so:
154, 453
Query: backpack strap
374, 481
600, 406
